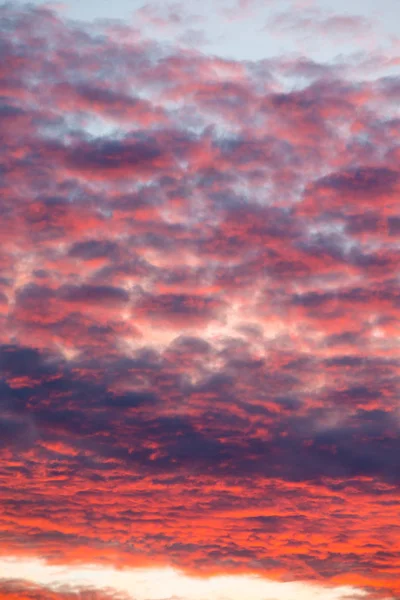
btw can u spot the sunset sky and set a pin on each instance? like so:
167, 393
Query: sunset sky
200, 300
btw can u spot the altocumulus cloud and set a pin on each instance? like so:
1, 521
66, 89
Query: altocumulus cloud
199, 310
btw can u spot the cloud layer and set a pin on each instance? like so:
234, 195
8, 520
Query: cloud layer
199, 308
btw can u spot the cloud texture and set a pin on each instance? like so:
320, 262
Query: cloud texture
199, 308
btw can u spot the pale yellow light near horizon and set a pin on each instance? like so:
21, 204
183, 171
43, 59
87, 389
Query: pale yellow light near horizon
162, 583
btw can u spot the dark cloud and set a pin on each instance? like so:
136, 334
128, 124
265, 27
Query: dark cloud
93, 294
91, 249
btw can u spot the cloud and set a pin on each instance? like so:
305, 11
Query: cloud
108, 104
17, 589
199, 309
316, 22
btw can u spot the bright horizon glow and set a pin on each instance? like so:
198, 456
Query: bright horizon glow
153, 584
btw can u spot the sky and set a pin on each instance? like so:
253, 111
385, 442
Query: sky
199, 300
